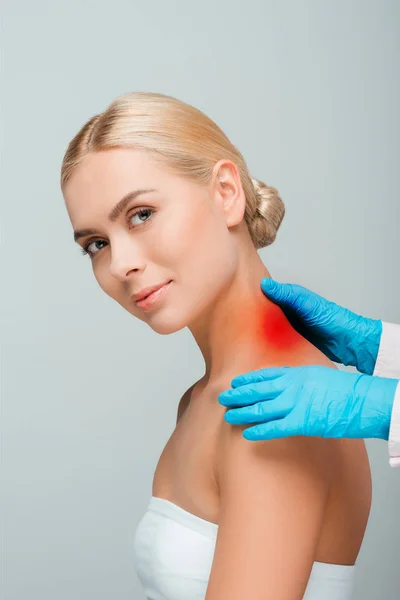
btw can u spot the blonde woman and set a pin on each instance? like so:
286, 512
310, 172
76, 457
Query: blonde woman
164, 206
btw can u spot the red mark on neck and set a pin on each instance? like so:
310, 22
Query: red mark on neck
274, 329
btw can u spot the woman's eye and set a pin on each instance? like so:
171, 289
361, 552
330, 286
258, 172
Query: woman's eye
91, 253
143, 214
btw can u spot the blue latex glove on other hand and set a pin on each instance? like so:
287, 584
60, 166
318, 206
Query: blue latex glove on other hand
340, 334
311, 401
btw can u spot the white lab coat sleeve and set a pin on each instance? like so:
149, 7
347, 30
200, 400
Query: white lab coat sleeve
388, 365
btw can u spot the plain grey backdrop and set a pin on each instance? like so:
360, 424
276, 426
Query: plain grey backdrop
310, 93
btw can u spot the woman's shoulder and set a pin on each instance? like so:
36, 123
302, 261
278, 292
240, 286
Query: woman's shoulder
310, 452
338, 469
316, 453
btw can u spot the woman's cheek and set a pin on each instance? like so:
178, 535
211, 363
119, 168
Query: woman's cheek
176, 241
107, 283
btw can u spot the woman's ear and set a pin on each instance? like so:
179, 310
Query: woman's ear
228, 191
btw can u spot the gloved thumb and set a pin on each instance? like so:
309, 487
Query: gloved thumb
281, 293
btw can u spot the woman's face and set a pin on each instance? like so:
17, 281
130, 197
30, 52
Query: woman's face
177, 234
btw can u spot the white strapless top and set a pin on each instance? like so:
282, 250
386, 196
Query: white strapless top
174, 551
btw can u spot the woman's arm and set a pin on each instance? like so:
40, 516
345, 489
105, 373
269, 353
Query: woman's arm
273, 495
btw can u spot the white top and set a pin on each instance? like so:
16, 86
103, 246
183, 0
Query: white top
174, 552
388, 365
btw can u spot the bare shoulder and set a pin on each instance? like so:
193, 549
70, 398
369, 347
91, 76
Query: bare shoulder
332, 474
238, 457
332, 462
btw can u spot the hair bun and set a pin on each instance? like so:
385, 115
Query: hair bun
268, 215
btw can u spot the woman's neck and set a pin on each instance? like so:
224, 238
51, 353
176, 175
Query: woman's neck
243, 330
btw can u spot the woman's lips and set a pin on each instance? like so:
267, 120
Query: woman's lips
153, 299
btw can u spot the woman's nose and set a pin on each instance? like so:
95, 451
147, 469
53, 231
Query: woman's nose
126, 258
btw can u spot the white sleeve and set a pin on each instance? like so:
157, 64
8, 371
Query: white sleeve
394, 432
388, 365
388, 359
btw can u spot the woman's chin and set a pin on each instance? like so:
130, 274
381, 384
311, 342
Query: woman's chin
166, 326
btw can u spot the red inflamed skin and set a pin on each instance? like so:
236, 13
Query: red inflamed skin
271, 339
276, 329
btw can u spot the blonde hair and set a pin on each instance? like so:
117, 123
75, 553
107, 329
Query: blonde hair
182, 137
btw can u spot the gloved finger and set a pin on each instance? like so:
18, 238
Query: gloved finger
259, 375
261, 412
270, 431
285, 294
298, 303
253, 392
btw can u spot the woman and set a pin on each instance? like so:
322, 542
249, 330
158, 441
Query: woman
228, 518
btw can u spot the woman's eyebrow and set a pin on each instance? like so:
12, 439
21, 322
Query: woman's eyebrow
115, 212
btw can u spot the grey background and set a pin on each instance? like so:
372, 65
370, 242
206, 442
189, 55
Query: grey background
309, 91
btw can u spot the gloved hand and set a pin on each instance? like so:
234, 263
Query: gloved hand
340, 334
311, 401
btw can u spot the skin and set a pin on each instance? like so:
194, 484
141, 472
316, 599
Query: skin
196, 236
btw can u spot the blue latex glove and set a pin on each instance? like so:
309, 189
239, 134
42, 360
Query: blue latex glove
340, 334
312, 401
